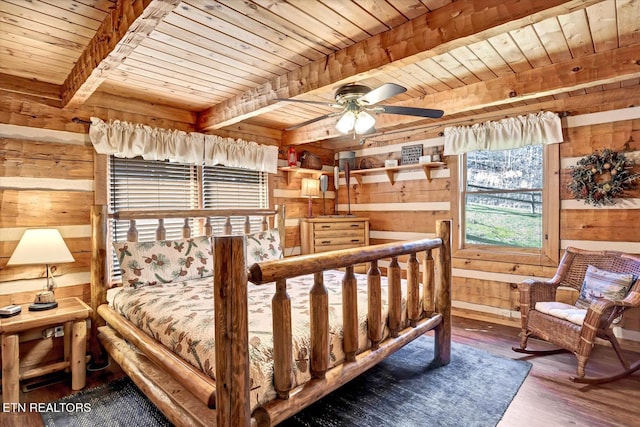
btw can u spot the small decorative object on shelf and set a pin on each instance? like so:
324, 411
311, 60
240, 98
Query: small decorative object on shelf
292, 157
600, 178
411, 154
308, 160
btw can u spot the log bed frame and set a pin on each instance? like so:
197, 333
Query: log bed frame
189, 398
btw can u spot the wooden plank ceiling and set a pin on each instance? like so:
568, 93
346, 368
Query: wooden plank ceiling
225, 61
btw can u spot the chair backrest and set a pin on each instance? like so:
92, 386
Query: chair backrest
573, 265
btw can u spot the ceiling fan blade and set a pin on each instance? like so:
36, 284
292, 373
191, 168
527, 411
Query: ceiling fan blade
304, 101
381, 93
409, 111
317, 119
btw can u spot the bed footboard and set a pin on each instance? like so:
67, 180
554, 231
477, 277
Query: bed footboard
433, 312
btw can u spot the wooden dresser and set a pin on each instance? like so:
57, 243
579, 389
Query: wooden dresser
328, 233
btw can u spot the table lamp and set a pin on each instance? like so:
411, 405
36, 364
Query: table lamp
310, 189
42, 246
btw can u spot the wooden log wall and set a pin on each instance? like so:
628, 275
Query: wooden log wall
487, 290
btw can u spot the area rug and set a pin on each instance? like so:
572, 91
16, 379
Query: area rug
475, 389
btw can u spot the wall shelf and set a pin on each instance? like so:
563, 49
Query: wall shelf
391, 171
292, 171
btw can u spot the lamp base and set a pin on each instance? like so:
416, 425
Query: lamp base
42, 306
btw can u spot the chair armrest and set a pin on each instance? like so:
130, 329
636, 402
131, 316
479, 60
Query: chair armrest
602, 304
532, 291
599, 314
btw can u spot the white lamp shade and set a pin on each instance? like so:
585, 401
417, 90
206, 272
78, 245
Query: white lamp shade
310, 187
41, 246
364, 122
346, 122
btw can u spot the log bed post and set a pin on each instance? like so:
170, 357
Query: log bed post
319, 319
350, 314
427, 283
413, 290
282, 341
231, 332
374, 301
395, 297
442, 354
98, 285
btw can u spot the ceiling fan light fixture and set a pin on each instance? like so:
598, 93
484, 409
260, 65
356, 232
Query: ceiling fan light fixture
346, 122
364, 122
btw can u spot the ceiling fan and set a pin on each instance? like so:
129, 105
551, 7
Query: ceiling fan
357, 102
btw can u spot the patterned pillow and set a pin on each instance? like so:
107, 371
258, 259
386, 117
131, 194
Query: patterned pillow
263, 246
149, 263
603, 284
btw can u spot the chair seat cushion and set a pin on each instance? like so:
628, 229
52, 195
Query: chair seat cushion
603, 284
562, 311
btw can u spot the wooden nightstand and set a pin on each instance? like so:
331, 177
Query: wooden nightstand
70, 311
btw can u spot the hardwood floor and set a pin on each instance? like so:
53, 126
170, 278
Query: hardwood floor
546, 398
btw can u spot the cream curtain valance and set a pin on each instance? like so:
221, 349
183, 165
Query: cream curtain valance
514, 132
129, 140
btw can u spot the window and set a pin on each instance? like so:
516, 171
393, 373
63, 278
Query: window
508, 203
137, 184
503, 197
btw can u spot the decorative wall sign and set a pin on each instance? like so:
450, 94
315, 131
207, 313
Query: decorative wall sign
600, 178
411, 154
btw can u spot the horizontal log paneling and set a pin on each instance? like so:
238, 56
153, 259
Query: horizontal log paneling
421, 222
404, 191
503, 267
584, 140
485, 292
598, 224
34, 208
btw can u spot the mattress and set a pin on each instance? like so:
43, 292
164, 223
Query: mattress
180, 316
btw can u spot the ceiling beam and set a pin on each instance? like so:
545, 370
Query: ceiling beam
119, 34
457, 24
587, 71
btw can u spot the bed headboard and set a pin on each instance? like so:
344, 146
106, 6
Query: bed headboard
100, 245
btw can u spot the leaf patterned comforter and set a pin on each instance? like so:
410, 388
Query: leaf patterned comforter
180, 316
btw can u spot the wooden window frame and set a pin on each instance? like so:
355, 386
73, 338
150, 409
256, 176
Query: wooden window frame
549, 254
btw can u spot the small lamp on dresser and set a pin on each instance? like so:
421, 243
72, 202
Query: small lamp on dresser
42, 246
310, 188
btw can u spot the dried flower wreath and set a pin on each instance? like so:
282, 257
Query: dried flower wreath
600, 178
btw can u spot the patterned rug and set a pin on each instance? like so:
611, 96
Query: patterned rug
475, 389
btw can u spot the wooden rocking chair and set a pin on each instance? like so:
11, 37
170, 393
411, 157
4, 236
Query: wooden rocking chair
579, 339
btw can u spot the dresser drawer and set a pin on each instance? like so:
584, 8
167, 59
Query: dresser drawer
323, 226
328, 234
351, 241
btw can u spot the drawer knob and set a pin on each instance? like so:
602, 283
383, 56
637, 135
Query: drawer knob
355, 240
326, 241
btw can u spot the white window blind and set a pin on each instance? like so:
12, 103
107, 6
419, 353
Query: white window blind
226, 188
138, 184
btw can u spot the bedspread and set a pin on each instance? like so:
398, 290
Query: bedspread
180, 316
